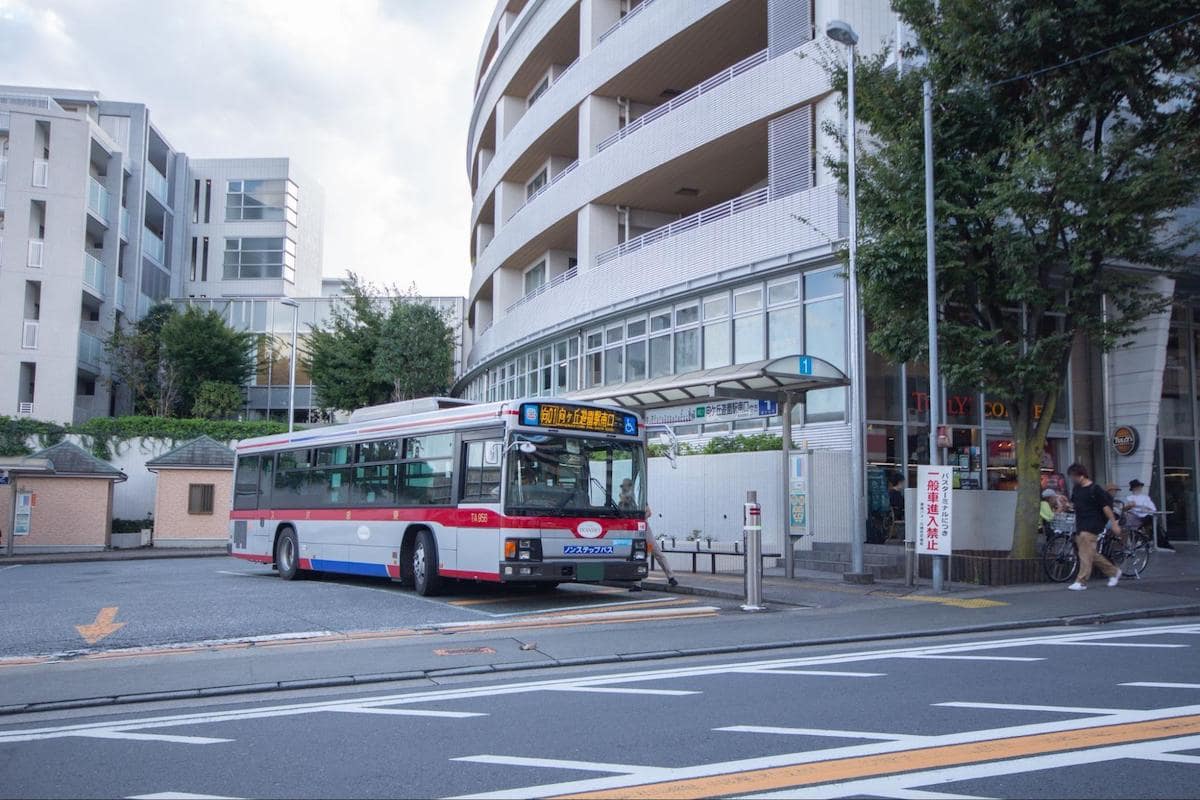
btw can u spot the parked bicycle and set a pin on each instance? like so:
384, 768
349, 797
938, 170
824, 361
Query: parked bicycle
1060, 557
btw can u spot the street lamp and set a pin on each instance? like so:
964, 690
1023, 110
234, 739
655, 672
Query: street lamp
287, 301
843, 34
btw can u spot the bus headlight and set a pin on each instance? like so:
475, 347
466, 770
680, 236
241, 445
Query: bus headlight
523, 549
639, 549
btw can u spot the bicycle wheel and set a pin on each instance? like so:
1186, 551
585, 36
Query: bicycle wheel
1135, 557
1059, 558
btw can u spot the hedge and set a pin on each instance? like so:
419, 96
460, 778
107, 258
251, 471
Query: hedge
752, 443
102, 435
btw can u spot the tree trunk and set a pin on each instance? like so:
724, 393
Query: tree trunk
1029, 443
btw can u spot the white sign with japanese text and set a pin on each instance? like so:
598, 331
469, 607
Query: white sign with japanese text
934, 506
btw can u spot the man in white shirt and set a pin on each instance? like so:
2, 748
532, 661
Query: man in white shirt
1138, 505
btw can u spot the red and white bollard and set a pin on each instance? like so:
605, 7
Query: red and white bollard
752, 541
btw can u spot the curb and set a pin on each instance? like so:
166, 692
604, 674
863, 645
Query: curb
99, 556
1189, 610
701, 591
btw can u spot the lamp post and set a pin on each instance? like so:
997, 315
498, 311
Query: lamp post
842, 33
287, 301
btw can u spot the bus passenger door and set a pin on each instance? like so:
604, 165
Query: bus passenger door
479, 547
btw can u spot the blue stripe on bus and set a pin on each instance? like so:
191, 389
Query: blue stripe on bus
350, 567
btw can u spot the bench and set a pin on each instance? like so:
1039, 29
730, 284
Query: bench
711, 549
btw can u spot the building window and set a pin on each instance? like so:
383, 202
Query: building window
248, 200
253, 257
542, 86
535, 185
535, 277
200, 498
825, 337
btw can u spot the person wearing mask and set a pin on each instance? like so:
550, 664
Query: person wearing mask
1093, 510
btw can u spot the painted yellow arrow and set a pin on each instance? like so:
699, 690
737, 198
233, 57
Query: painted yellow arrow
103, 626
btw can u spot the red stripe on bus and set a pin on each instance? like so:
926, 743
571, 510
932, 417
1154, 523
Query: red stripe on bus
450, 517
253, 557
494, 577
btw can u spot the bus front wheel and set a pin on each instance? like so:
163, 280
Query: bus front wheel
426, 579
287, 559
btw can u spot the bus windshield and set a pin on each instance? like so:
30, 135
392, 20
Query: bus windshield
576, 476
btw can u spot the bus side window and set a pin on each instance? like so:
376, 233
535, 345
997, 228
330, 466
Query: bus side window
481, 479
245, 487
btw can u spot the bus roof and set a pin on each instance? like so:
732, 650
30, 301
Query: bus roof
454, 417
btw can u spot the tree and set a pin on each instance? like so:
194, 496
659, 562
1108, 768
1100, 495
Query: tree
138, 361
200, 347
218, 400
1066, 135
376, 349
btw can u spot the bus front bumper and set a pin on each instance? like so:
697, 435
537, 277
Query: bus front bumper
563, 571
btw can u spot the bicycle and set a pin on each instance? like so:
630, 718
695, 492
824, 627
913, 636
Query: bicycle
1060, 555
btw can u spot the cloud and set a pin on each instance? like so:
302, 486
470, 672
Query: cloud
370, 98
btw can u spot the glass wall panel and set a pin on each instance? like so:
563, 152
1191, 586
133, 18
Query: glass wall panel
783, 328
1175, 413
748, 339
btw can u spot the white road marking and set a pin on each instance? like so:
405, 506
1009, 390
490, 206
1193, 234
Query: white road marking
556, 763
10, 566
407, 712
1174, 758
882, 786
582, 606
976, 658
921, 794
1157, 685
893, 785
494, 690
179, 796
819, 672
620, 614
1022, 707
1120, 644
833, 734
152, 737
621, 690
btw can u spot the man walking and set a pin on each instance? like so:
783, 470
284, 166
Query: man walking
1093, 507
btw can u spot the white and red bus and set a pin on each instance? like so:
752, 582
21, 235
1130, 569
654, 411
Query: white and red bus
531, 491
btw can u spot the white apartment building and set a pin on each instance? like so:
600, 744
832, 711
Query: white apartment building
101, 218
650, 197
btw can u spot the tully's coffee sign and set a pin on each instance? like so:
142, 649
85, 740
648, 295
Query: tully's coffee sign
1125, 440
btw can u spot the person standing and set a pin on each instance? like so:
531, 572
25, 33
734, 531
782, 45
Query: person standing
653, 551
1093, 510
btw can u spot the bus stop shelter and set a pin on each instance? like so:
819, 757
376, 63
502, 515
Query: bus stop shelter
785, 380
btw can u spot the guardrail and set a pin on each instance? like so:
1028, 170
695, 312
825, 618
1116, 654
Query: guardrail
684, 98
153, 245
37, 252
29, 334
3, 168
41, 173
700, 218
119, 296
156, 182
545, 287
568, 169
617, 25
124, 229
91, 349
98, 199
93, 273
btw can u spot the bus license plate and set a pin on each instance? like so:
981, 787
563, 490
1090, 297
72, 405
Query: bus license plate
587, 550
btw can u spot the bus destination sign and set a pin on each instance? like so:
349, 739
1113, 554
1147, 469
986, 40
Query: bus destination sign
578, 418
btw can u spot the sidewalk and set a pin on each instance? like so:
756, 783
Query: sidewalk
132, 554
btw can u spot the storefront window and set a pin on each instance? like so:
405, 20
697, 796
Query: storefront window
1175, 413
884, 400
825, 337
966, 456
1002, 464
1179, 487
916, 392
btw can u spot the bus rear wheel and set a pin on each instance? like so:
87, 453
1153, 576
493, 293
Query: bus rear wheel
287, 559
426, 579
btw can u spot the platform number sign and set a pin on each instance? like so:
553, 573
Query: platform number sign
934, 509
805, 367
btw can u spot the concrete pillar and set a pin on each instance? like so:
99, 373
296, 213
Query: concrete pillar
483, 315
509, 197
599, 118
507, 288
595, 17
483, 236
509, 109
597, 232
483, 159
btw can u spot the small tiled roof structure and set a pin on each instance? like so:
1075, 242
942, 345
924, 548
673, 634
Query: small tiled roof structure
203, 452
71, 460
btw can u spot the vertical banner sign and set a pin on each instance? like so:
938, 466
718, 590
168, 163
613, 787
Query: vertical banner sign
798, 494
934, 506
24, 514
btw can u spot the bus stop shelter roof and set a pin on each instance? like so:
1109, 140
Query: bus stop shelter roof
770, 379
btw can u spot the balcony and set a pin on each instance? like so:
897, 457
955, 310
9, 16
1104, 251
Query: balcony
567, 170
41, 173
119, 296
37, 252
3, 168
29, 334
91, 350
93, 274
545, 287
3, 187
124, 230
156, 184
623, 20
98, 200
153, 246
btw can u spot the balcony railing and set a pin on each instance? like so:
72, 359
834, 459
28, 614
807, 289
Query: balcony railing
700, 218
153, 246
29, 334
98, 199
41, 172
617, 25
37, 252
93, 274
3, 168
2, 193
91, 349
119, 296
684, 98
156, 182
545, 287
569, 168
24, 409
124, 230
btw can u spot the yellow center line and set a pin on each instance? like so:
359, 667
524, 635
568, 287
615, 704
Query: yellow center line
920, 759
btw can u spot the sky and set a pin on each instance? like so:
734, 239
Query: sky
370, 98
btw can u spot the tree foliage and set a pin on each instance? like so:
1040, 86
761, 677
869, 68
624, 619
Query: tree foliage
1065, 137
138, 362
376, 349
218, 400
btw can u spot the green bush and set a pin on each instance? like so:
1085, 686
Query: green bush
15, 432
102, 434
131, 525
741, 443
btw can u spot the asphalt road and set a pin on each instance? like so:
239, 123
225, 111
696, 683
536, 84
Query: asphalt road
1111, 711
177, 601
